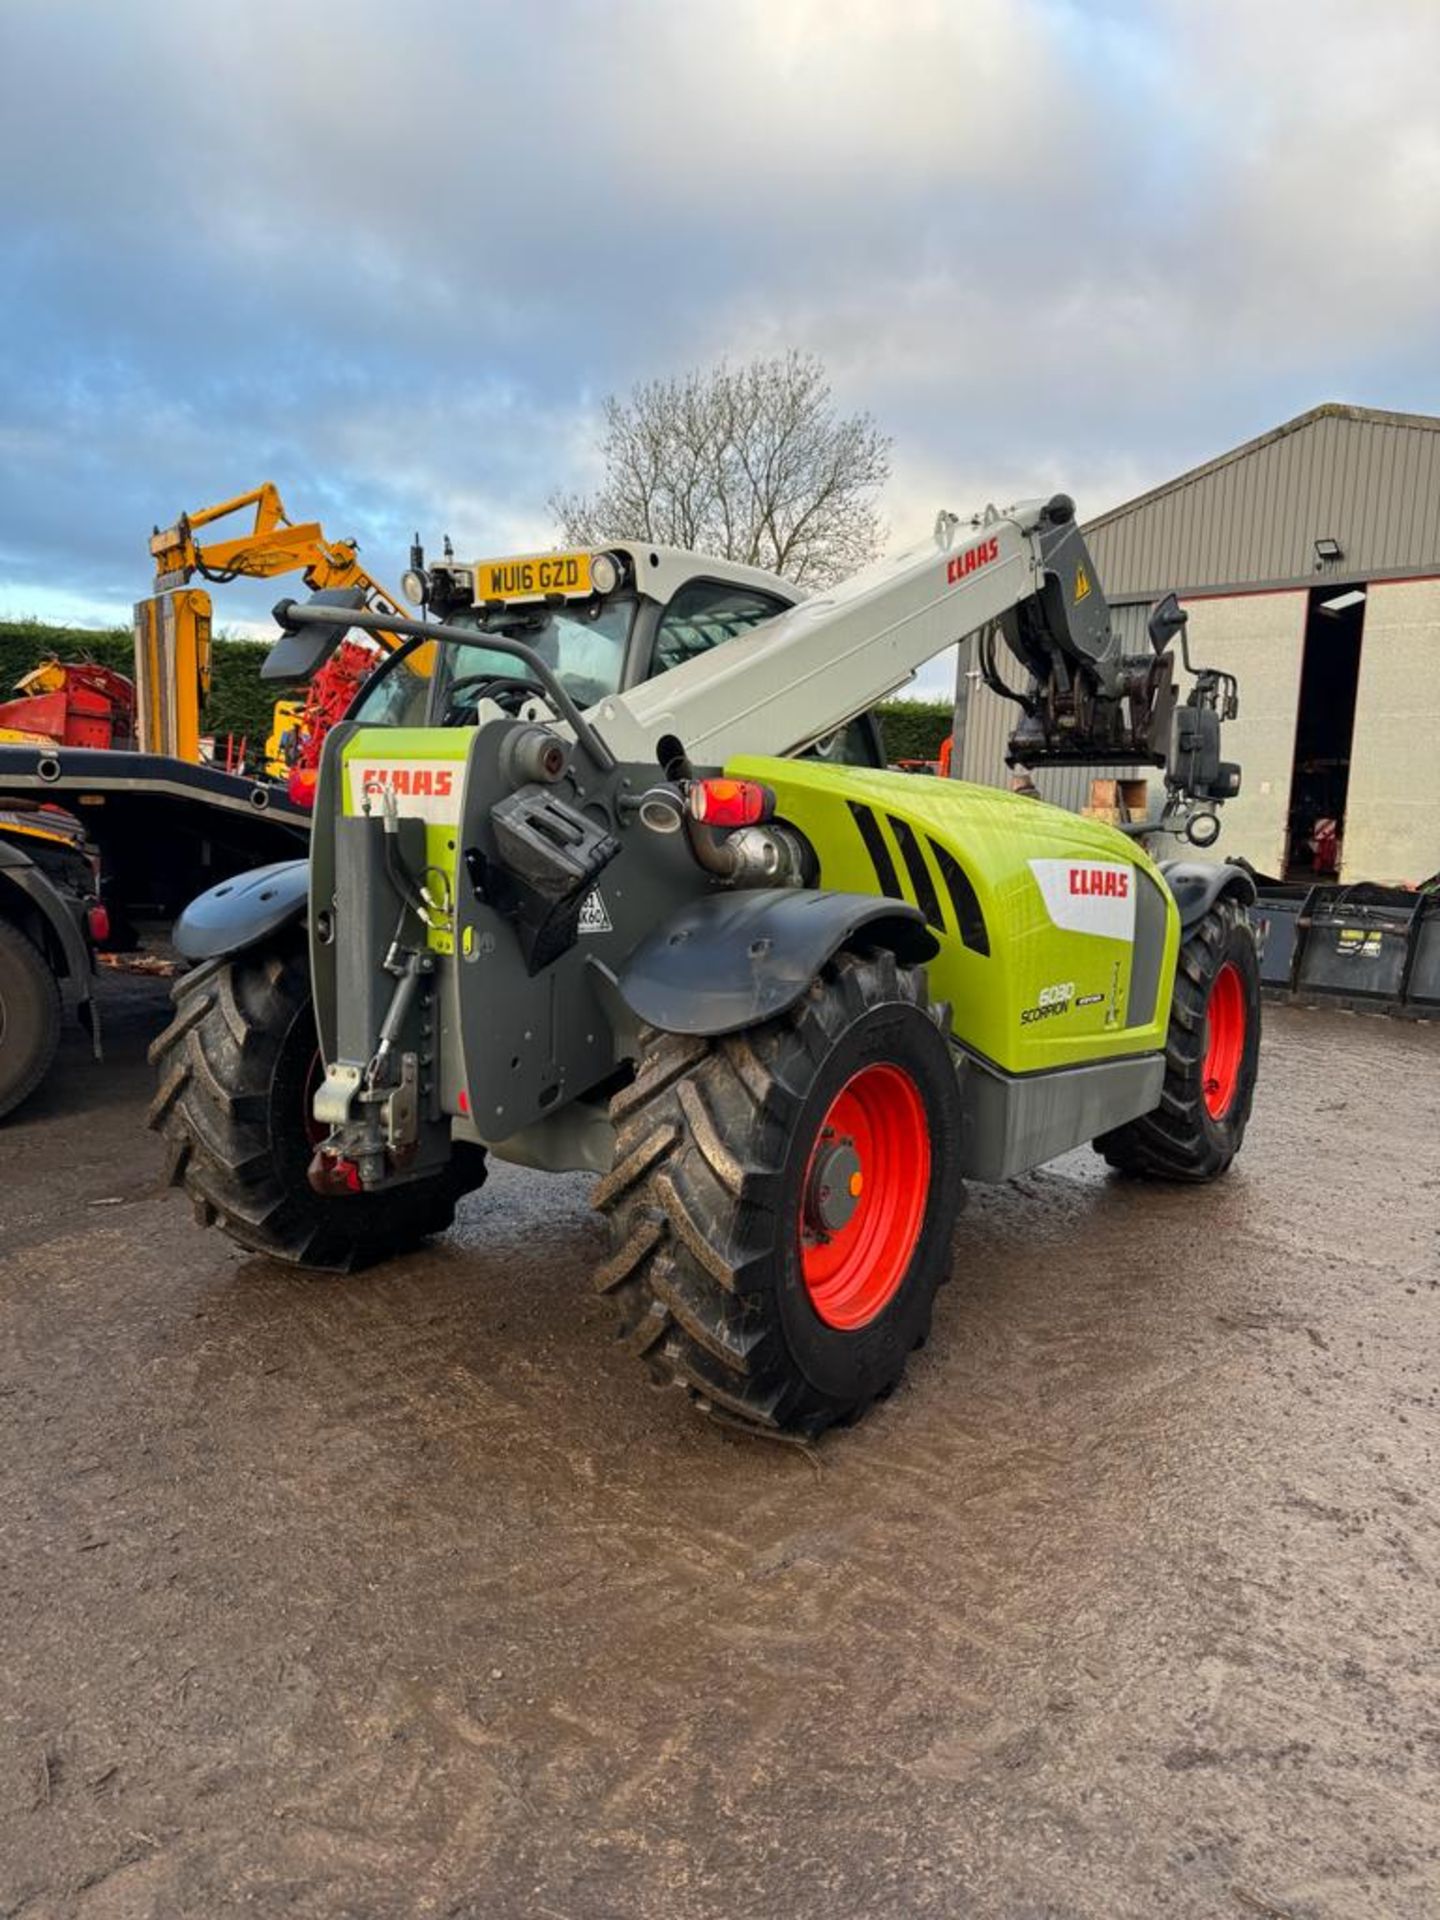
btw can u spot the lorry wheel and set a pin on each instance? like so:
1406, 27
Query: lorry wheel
238, 1065
29, 1016
783, 1200
1211, 1054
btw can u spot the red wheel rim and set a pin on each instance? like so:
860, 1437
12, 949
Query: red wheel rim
866, 1184
1224, 1041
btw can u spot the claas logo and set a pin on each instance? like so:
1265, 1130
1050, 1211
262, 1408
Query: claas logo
412, 781
960, 565
1111, 882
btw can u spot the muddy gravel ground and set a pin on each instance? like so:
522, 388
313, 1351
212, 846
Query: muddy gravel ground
406, 1595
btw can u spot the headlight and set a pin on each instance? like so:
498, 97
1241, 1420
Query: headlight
604, 572
414, 586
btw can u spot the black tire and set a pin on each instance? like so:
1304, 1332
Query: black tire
29, 1016
235, 1066
1183, 1139
705, 1204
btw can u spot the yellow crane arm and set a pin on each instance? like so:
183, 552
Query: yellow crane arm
172, 627
273, 544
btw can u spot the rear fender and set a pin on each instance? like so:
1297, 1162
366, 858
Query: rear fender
1198, 886
32, 900
732, 960
243, 911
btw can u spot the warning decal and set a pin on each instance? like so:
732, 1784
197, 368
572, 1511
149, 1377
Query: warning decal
593, 917
1082, 585
1360, 943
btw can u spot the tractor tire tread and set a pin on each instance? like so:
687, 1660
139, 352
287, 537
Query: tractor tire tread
702, 1133
24, 1066
1173, 1142
216, 1060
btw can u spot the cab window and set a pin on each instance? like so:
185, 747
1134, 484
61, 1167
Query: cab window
703, 615
860, 743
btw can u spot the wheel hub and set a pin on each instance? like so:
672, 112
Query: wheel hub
864, 1196
837, 1181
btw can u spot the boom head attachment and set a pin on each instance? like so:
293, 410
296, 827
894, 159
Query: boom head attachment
1088, 703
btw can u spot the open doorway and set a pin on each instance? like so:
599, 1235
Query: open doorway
1320, 778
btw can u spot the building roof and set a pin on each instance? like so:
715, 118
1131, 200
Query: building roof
1366, 478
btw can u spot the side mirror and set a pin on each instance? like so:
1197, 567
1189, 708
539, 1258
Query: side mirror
1194, 766
301, 651
1167, 618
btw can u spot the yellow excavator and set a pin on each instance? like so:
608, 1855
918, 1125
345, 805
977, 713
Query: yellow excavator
173, 625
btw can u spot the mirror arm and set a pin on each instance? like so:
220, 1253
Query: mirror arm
291, 615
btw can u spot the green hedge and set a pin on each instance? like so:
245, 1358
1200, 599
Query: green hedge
915, 728
238, 703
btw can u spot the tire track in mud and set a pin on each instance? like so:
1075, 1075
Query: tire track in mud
414, 1598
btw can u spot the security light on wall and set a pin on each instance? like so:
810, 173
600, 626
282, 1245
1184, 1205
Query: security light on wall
1327, 549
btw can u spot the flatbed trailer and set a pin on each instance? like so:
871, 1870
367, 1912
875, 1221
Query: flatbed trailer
159, 830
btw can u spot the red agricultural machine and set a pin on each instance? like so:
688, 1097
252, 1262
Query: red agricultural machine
70, 703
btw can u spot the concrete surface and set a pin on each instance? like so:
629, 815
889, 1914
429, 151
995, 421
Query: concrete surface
406, 1595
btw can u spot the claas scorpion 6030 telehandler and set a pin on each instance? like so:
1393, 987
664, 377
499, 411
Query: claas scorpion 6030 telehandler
783, 1005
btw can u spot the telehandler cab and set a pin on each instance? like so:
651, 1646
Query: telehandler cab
782, 1005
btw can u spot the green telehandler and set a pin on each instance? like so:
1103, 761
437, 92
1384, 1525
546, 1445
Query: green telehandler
588, 890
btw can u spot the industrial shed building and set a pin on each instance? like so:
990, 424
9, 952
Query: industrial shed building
1309, 563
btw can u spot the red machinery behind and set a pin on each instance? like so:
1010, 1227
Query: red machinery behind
327, 696
72, 704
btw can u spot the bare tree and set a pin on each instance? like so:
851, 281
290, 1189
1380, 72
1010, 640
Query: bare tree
747, 463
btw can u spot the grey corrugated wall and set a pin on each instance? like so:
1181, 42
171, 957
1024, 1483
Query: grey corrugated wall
1370, 480
1367, 479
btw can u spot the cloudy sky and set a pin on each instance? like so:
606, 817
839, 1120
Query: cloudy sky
392, 256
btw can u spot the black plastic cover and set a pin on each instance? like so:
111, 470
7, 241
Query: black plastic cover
1197, 885
731, 960
550, 856
548, 845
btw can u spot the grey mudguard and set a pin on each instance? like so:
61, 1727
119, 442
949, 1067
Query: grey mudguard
62, 917
57, 913
1197, 885
241, 912
731, 960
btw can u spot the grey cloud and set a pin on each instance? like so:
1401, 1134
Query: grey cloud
392, 258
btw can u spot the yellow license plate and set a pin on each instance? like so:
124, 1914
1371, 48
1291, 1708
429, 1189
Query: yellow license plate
532, 576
